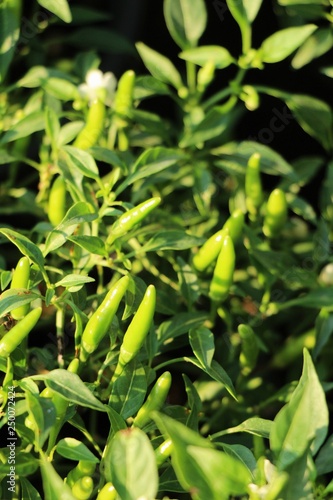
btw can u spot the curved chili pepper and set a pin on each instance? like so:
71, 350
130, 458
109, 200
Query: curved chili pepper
82, 469
209, 251
19, 332
83, 488
137, 331
235, 224
124, 98
93, 128
223, 272
253, 185
132, 217
57, 201
155, 400
99, 323
20, 279
276, 213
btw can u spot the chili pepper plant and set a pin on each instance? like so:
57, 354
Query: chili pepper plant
166, 297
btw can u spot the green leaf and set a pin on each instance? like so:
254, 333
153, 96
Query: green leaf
171, 239
16, 297
188, 281
53, 483
187, 471
291, 433
150, 162
25, 463
28, 491
324, 330
226, 475
322, 297
68, 132
58, 7
234, 157
324, 459
178, 325
25, 246
255, 425
320, 42
103, 40
213, 125
186, 20
107, 156
220, 56
75, 450
252, 8
194, 403
43, 413
216, 372
238, 12
243, 454
70, 386
10, 17
74, 281
148, 86
159, 66
52, 126
61, 88
284, 42
82, 161
314, 116
129, 390
34, 122
134, 470
93, 244
203, 345
78, 213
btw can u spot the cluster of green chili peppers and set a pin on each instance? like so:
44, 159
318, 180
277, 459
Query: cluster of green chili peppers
219, 249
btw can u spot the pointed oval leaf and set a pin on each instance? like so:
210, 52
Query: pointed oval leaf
186, 20
58, 7
70, 386
284, 42
220, 56
133, 464
75, 450
159, 66
314, 116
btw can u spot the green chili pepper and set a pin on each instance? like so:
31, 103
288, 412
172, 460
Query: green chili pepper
82, 469
57, 201
124, 98
235, 224
99, 323
205, 75
138, 329
129, 219
83, 488
276, 213
223, 272
209, 251
253, 186
20, 279
108, 492
163, 452
250, 348
155, 400
19, 332
93, 128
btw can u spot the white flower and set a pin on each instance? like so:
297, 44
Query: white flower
98, 85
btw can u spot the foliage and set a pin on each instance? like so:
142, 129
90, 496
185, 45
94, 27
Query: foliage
119, 202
